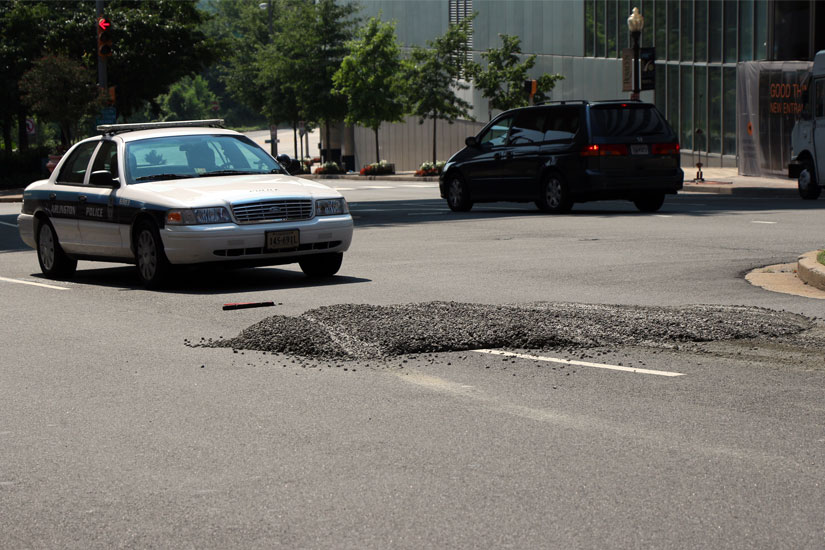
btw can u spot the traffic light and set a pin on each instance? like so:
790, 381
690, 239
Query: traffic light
104, 38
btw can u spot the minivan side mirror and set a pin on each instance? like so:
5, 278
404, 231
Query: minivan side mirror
471, 141
103, 178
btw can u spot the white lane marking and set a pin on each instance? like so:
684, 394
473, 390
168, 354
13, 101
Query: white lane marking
422, 185
344, 188
758, 221
9, 224
376, 187
577, 363
427, 213
663, 216
33, 283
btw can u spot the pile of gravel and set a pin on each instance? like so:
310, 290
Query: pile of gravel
360, 331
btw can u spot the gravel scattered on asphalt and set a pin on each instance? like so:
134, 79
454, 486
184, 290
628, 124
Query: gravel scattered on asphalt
358, 331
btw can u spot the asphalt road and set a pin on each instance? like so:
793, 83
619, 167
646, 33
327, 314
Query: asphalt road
115, 432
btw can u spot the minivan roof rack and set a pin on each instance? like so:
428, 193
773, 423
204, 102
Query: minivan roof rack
564, 101
117, 128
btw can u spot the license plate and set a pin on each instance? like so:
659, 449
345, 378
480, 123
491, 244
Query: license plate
279, 240
639, 150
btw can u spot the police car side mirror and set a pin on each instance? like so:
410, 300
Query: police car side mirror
103, 178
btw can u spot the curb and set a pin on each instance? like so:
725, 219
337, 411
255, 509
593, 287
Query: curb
810, 271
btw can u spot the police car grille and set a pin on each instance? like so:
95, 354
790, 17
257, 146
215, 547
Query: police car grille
273, 211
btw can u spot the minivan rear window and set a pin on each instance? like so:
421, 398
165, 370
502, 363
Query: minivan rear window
627, 121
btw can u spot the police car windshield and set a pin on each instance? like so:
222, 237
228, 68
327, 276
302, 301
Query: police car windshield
194, 156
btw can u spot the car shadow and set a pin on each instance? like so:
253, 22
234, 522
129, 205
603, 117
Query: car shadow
206, 280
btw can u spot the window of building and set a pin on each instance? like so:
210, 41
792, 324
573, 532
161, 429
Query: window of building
715, 109
601, 29
612, 20
589, 28
686, 119
686, 25
624, 32
761, 28
660, 22
700, 31
730, 31
700, 108
715, 32
673, 29
729, 111
745, 30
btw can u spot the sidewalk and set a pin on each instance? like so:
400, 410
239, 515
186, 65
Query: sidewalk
721, 181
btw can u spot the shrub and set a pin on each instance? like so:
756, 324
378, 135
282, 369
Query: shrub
382, 168
430, 169
329, 168
21, 168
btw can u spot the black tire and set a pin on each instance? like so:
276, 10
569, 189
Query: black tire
54, 263
458, 195
152, 265
321, 265
555, 195
809, 188
650, 202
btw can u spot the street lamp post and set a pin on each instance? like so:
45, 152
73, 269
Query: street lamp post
636, 23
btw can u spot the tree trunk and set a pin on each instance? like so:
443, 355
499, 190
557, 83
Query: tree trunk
434, 143
328, 156
295, 139
22, 137
377, 153
7, 133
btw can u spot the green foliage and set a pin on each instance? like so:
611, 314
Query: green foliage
22, 167
62, 90
432, 75
189, 99
502, 81
368, 77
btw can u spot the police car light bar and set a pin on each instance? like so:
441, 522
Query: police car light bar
114, 128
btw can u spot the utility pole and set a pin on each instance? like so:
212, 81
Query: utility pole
101, 61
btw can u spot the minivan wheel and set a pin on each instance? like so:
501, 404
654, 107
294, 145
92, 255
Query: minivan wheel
458, 196
152, 265
555, 196
651, 202
54, 263
809, 188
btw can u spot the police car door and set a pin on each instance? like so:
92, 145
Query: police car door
99, 233
61, 203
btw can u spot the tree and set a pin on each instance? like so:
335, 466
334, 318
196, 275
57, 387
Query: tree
188, 99
502, 81
62, 90
432, 75
368, 78
22, 32
332, 27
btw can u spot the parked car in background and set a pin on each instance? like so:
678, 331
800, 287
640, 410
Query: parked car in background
807, 164
180, 193
565, 152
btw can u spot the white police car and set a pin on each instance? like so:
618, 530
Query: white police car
173, 193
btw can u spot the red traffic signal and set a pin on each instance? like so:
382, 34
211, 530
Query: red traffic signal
104, 38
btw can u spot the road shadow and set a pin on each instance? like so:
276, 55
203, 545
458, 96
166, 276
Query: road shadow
429, 211
205, 280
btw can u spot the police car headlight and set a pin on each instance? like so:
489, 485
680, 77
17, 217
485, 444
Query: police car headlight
331, 207
198, 216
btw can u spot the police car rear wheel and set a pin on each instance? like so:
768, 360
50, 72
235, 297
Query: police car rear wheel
152, 265
53, 261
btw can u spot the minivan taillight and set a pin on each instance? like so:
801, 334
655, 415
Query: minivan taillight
605, 150
665, 148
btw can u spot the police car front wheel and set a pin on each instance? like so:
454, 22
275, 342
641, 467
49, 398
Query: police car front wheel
152, 264
53, 261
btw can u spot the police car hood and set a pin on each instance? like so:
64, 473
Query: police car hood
219, 190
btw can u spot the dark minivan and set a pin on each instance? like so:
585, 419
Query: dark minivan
565, 152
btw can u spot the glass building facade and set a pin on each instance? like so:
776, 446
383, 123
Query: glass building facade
698, 44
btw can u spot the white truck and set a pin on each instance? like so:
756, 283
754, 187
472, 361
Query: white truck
808, 136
